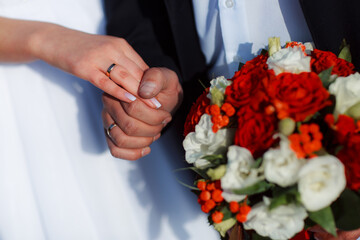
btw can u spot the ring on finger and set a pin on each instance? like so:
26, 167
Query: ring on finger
109, 129
108, 71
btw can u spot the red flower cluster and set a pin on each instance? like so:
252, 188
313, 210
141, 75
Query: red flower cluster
322, 60
196, 111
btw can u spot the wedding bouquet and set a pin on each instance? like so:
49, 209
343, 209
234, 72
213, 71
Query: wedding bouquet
276, 147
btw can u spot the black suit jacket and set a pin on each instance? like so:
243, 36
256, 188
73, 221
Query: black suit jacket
163, 32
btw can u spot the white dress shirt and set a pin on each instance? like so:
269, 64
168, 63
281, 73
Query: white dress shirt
233, 31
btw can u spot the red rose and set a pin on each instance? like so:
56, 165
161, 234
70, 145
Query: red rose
343, 128
350, 157
248, 87
298, 95
196, 111
321, 60
255, 131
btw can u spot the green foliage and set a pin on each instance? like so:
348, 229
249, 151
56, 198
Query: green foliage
240, 65
325, 77
290, 195
346, 210
258, 187
325, 219
345, 51
255, 236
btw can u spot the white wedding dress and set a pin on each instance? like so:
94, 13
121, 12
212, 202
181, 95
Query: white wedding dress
57, 178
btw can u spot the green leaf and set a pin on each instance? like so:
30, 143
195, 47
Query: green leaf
187, 185
258, 187
257, 163
212, 158
325, 77
345, 51
285, 198
346, 210
325, 219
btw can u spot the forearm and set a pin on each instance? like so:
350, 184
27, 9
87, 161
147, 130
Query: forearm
19, 39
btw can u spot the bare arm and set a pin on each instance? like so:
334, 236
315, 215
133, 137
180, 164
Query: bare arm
84, 55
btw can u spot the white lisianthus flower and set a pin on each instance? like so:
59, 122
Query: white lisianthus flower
321, 181
205, 142
220, 83
309, 47
282, 222
347, 92
239, 173
290, 59
281, 165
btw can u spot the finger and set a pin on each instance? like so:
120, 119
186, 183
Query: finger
104, 83
133, 55
153, 81
140, 111
121, 140
130, 126
121, 75
127, 154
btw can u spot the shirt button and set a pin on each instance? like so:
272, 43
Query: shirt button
229, 3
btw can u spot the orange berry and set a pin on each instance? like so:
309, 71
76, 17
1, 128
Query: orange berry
304, 128
211, 186
205, 195
214, 110
215, 128
225, 120
234, 206
216, 195
228, 109
210, 204
216, 118
217, 216
314, 128
241, 217
269, 110
304, 137
244, 209
201, 185
205, 209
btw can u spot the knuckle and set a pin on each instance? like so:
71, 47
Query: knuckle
115, 153
132, 108
119, 141
130, 128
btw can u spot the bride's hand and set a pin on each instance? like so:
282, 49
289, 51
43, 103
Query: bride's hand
138, 125
84, 55
321, 234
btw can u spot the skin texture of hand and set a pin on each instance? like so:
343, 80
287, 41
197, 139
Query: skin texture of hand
138, 125
84, 55
321, 234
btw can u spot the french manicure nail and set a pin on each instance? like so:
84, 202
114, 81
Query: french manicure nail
145, 151
155, 102
130, 96
166, 121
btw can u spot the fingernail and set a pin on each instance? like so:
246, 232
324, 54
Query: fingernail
130, 96
156, 137
155, 102
145, 151
147, 88
166, 121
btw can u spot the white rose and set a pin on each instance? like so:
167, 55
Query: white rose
220, 83
290, 59
282, 222
321, 181
204, 142
239, 173
281, 166
347, 92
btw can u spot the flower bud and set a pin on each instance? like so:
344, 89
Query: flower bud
224, 226
216, 173
287, 126
274, 45
354, 111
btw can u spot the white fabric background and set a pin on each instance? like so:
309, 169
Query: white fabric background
57, 178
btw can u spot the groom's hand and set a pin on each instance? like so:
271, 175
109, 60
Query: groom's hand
137, 124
